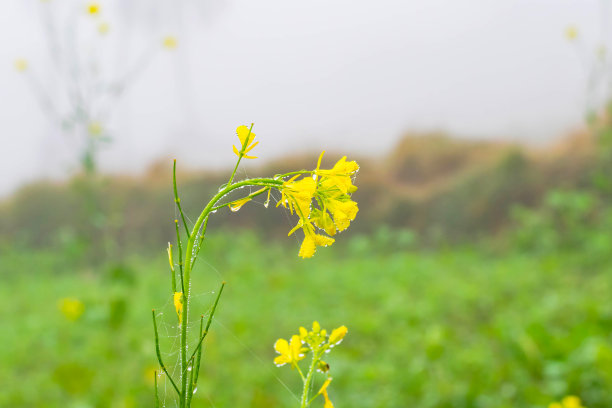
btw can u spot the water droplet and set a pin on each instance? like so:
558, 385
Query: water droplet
195, 389
235, 208
266, 203
189, 368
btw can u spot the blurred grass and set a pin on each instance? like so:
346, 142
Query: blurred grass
455, 328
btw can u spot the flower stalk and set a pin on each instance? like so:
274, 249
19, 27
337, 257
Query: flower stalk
330, 189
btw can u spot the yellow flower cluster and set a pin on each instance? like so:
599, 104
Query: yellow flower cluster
571, 401
320, 198
331, 190
315, 340
319, 343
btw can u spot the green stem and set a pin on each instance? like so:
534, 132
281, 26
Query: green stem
197, 352
306, 390
159, 358
190, 259
177, 200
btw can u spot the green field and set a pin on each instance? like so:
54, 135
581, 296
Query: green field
447, 328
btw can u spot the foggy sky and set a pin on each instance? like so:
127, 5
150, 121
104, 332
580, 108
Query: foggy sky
349, 76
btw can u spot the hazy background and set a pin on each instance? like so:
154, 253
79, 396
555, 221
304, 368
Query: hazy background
349, 75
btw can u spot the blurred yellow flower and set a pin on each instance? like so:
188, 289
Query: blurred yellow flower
290, 352
170, 42
178, 305
95, 128
571, 33
71, 308
21, 64
93, 8
103, 28
571, 401
246, 138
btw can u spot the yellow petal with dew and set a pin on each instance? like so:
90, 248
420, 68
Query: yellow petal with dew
178, 305
337, 335
236, 205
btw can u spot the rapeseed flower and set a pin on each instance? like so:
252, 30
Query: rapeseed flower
246, 142
571, 33
178, 305
170, 42
93, 8
21, 65
71, 308
290, 352
571, 401
331, 190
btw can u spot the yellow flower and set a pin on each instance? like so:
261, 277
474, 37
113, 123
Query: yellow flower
314, 338
95, 128
311, 242
323, 391
246, 142
21, 65
571, 33
571, 401
178, 305
170, 42
337, 335
290, 353
340, 176
323, 220
93, 8
297, 196
344, 210
103, 28
71, 308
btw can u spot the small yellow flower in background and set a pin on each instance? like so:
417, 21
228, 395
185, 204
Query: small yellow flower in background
93, 8
571, 401
149, 374
246, 141
71, 308
290, 352
95, 128
571, 33
103, 28
21, 65
178, 305
170, 42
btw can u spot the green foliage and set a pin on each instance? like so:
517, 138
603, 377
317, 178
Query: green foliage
448, 329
